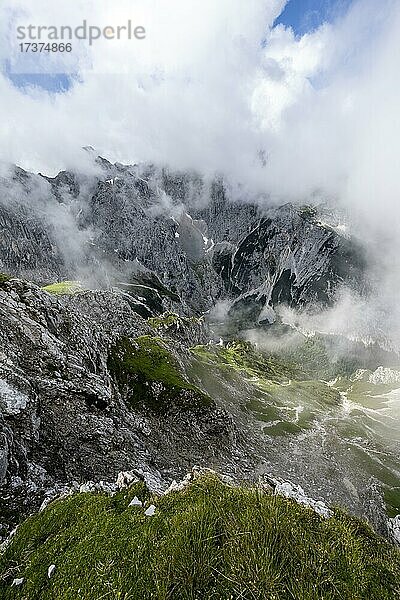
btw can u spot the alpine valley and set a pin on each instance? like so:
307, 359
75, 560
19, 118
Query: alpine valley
152, 322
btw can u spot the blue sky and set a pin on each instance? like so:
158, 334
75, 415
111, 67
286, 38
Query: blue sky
53, 83
306, 15
301, 15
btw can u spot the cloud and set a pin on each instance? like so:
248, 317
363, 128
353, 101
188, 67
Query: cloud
181, 94
215, 84
214, 87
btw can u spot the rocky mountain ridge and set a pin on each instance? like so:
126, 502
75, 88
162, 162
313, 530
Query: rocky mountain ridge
118, 373
172, 240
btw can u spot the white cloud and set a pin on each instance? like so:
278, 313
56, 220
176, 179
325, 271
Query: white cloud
202, 92
212, 85
181, 94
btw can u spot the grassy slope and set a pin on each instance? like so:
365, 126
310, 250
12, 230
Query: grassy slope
308, 361
208, 542
151, 377
284, 382
63, 288
242, 356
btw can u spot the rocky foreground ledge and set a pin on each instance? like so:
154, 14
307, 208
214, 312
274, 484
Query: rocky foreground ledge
88, 388
204, 538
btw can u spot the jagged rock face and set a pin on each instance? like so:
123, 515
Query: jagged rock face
26, 247
288, 258
64, 415
170, 240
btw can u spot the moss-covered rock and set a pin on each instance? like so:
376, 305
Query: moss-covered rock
149, 376
209, 541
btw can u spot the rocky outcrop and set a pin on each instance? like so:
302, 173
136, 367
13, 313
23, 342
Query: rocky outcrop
73, 408
289, 258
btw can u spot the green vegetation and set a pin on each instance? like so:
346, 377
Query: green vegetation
364, 392
4, 278
293, 408
242, 356
170, 319
151, 377
306, 360
324, 357
64, 288
165, 321
311, 356
208, 542
286, 395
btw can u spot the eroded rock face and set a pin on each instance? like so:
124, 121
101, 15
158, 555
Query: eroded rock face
172, 241
65, 415
289, 258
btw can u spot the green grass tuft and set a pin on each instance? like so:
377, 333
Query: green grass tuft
4, 278
209, 542
63, 288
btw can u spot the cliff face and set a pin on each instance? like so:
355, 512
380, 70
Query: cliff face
170, 240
